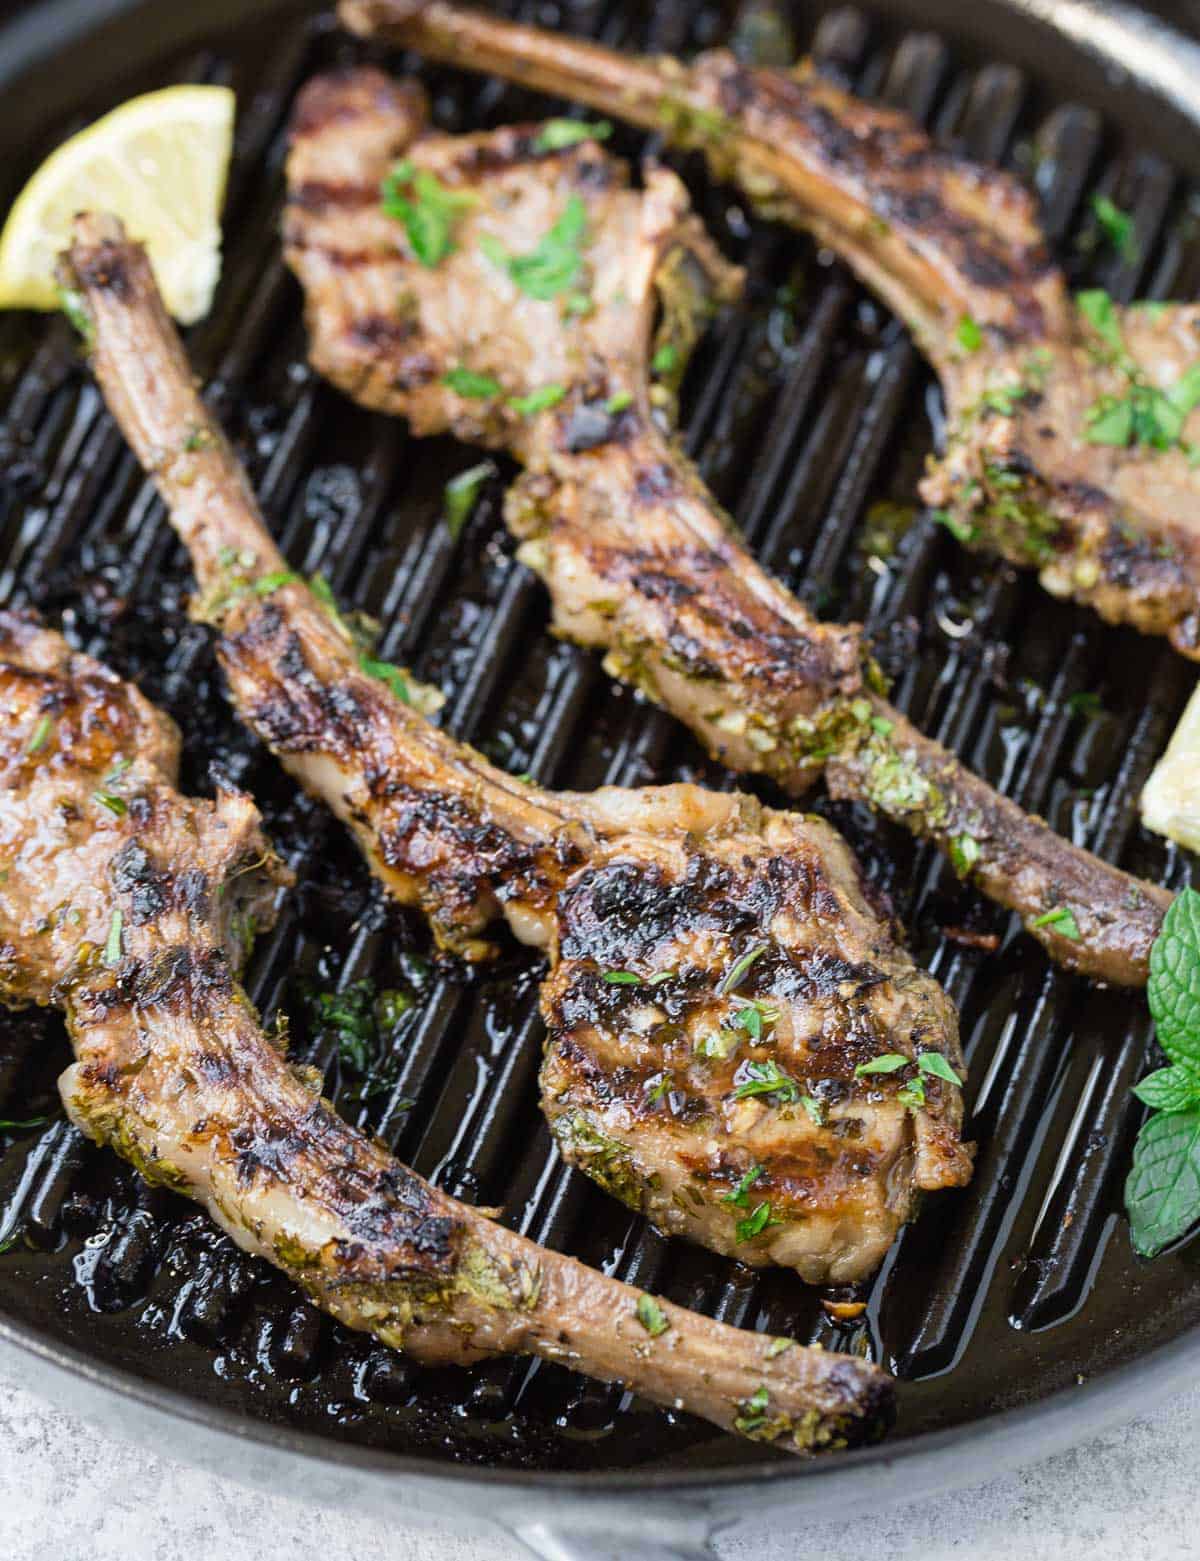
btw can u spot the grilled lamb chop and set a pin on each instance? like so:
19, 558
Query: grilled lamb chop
718, 974
127, 905
549, 354
1072, 431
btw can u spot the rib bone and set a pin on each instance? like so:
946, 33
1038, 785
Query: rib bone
1104, 511
638, 557
131, 915
647, 902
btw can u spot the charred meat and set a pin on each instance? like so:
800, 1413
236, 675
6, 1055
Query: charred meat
128, 906
552, 319
1074, 425
738, 1045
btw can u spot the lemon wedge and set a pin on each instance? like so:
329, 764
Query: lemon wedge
1171, 797
160, 163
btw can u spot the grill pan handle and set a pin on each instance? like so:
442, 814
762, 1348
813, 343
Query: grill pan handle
654, 1537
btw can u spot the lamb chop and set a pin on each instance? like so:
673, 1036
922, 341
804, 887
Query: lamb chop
549, 351
737, 1044
1073, 425
128, 906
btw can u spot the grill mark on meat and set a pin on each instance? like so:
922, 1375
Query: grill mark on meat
765, 688
675, 878
174, 1072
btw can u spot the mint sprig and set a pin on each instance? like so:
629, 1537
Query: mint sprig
1162, 1192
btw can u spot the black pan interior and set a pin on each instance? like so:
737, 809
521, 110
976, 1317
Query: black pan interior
810, 415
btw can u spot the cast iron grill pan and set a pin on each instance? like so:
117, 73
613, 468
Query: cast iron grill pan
810, 414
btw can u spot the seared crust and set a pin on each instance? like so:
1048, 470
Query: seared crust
683, 980
639, 559
467, 844
941, 240
132, 913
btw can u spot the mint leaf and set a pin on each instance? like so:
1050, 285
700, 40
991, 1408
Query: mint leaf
553, 267
472, 386
557, 134
1162, 1193
890, 1062
935, 1064
754, 1224
1100, 312
461, 494
1170, 1089
1174, 988
969, 334
428, 210
651, 1316
1116, 225
540, 400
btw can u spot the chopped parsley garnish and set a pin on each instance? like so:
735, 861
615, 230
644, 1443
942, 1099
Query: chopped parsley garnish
274, 582
766, 1078
540, 400
730, 980
558, 134
362, 1024
1085, 703
778, 1345
622, 978
969, 334
356, 628
739, 1194
815, 1109
912, 1093
753, 1413
750, 1019
964, 853
1143, 414
618, 402
754, 1224
666, 359
75, 308
961, 530
112, 949
555, 264
1003, 398
429, 211
472, 386
890, 1062
1098, 309
881, 726
461, 494
719, 1044
1060, 919
109, 799
41, 735
651, 1316
662, 1084
386, 673
1116, 225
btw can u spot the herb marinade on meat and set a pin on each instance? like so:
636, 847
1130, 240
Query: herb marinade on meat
700, 1083
131, 908
562, 341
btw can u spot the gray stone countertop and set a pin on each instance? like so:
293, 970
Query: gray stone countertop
67, 1493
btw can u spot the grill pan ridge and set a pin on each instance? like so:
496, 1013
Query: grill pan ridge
809, 413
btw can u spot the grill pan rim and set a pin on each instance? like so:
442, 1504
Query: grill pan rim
916, 1466
1146, 51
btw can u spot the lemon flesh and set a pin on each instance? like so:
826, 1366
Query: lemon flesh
1171, 798
160, 163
